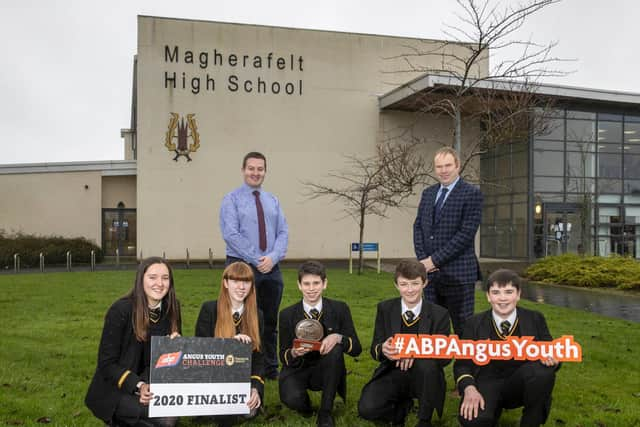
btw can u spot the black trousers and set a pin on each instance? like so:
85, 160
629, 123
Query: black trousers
130, 412
529, 386
323, 374
269, 288
384, 398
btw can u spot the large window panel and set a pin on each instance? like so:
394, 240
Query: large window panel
581, 164
581, 185
550, 163
631, 166
609, 132
549, 184
632, 133
550, 129
609, 165
609, 186
581, 130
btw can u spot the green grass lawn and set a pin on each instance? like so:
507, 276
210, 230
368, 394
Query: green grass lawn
52, 324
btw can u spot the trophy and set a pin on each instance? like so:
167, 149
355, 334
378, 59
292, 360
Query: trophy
309, 333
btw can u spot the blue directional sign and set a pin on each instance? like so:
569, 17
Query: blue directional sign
366, 247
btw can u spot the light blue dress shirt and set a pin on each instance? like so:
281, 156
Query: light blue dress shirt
239, 225
449, 189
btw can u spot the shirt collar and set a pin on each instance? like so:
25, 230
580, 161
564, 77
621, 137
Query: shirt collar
250, 189
512, 317
239, 310
416, 310
450, 186
308, 307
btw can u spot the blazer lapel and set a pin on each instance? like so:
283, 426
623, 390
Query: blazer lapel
431, 203
424, 326
395, 317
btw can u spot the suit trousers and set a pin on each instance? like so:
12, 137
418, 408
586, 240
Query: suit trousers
459, 299
529, 386
384, 398
322, 374
269, 288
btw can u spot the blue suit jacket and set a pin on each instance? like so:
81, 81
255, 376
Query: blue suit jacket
449, 240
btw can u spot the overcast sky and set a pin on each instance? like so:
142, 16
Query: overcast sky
66, 65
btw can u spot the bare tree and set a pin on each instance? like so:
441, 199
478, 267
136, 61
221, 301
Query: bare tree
501, 95
372, 185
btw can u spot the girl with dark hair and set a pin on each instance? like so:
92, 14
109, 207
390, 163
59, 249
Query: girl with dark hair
235, 315
119, 393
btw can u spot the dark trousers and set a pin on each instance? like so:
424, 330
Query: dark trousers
130, 412
529, 386
388, 397
322, 374
269, 288
459, 299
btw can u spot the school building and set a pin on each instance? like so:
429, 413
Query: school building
206, 93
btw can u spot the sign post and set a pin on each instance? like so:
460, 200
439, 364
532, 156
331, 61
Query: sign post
366, 247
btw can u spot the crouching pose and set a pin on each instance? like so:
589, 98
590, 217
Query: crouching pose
321, 369
389, 395
119, 392
487, 389
235, 315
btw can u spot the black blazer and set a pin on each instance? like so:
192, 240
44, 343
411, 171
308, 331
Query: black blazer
336, 318
434, 320
450, 240
120, 359
205, 327
531, 324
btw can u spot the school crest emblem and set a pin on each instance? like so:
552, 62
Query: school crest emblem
182, 136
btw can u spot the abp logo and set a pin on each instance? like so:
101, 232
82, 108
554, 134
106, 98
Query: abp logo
168, 360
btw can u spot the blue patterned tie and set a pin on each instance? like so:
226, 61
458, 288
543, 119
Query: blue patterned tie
440, 202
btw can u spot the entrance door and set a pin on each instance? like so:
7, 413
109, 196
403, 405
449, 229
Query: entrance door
119, 232
563, 230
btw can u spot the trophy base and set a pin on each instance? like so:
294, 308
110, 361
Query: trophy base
308, 344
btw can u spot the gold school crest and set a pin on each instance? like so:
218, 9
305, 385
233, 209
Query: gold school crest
182, 131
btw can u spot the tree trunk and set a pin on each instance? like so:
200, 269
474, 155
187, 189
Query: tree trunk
360, 258
458, 125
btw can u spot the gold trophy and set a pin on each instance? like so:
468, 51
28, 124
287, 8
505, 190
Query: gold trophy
309, 333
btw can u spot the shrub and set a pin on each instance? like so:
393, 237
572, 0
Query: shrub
54, 249
591, 271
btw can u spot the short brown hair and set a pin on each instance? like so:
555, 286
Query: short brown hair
448, 150
410, 269
254, 155
502, 278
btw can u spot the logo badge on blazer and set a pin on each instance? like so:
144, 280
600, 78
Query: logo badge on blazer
168, 360
182, 136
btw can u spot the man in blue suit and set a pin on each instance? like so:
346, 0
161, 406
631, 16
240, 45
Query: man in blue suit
444, 235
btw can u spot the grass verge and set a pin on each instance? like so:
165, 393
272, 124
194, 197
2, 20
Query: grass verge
52, 324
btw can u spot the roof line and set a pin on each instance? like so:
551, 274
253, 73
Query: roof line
106, 167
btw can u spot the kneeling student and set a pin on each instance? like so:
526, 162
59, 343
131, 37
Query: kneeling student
501, 384
315, 370
119, 393
396, 382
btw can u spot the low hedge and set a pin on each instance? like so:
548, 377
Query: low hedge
54, 249
587, 271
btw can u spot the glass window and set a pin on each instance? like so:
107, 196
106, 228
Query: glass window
610, 117
631, 166
488, 213
488, 246
581, 130
503, 167
581, 146
609, 165
609, 186
548, 128
609, 198
632, 133
573, 114
609, 132
632, 214
487, 167
634, 119
549, 184
581, 185
608, 214
548, 163
503, 213
581, 164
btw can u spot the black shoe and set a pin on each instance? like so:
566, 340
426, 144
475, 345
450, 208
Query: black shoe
325, 419
402, 410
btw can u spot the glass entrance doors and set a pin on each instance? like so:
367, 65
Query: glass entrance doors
119, 232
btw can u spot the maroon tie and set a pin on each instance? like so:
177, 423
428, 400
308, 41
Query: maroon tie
261, 226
